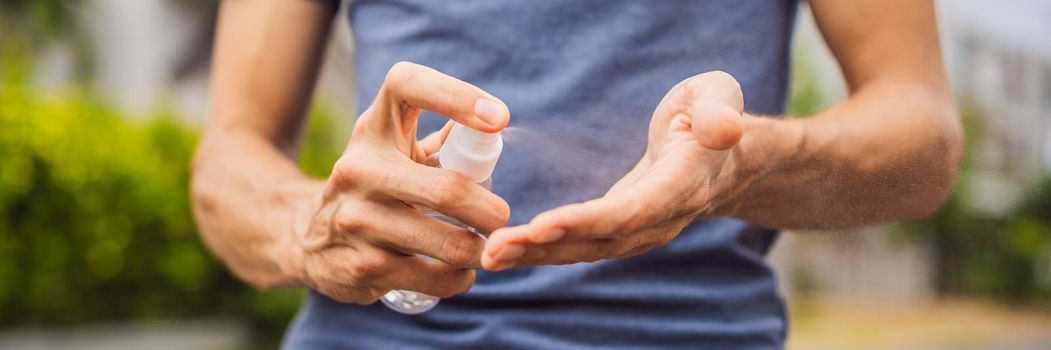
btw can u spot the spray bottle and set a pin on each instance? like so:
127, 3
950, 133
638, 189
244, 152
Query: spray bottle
472, 153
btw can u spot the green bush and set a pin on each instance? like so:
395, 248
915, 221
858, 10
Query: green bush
95, 220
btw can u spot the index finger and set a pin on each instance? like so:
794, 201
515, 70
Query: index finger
649, 200
595, 219
428, 89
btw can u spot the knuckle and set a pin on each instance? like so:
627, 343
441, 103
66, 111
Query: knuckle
361, 126
460, 250
335, 280
354, 219
450, 190
400, 73
345, 173
351, 224
367, 268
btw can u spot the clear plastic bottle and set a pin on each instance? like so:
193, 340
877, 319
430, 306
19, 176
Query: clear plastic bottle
472, 153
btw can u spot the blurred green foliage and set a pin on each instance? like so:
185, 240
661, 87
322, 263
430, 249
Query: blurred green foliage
807, 96
95, 220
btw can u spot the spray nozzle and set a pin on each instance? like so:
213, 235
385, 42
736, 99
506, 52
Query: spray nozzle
478, 138
471, 152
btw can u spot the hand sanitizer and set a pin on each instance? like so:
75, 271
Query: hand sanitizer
467, 151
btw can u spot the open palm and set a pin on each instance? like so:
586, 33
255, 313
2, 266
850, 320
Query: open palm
691, 135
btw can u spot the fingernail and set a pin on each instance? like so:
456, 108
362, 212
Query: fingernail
488, 111
550, 236
510, 252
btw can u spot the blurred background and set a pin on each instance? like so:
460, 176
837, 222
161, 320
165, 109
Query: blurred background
102, 101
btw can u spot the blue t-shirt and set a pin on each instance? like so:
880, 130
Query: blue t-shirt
593, 70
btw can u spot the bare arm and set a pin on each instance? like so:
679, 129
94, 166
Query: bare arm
357, 234
245, 181
889, 152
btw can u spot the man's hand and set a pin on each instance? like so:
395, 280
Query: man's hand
361, 236
677, 181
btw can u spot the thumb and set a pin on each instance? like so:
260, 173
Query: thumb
716, 125
716, 105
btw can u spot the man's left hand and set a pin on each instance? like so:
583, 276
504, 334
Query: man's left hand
682, 176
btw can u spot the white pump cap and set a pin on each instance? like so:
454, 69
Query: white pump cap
471, 152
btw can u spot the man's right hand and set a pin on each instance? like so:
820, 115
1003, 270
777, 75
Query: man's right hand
362, 236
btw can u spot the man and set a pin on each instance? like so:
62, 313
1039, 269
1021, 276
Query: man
713, 171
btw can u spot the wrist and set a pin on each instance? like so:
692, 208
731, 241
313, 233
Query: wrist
766, 145
303, 201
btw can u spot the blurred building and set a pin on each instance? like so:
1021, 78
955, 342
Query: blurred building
999, 56
149, 53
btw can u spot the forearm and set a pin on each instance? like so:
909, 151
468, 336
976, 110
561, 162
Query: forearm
890, 152
246, 187
246, 207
